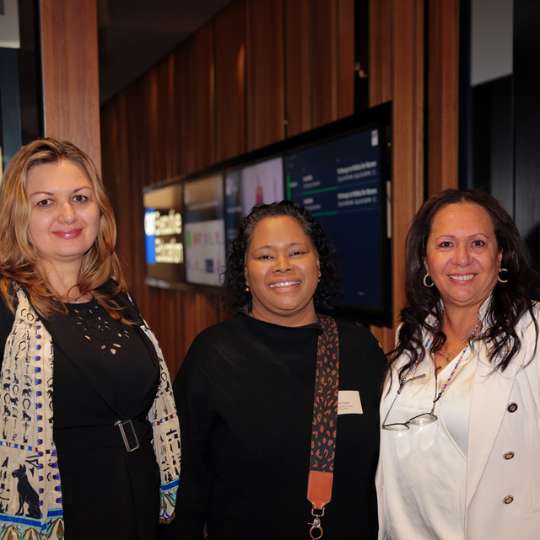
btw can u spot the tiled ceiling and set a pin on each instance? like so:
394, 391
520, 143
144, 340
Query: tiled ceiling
135, 34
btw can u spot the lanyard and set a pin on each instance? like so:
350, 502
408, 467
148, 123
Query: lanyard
324, 424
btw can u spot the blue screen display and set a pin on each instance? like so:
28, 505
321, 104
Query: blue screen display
339, 182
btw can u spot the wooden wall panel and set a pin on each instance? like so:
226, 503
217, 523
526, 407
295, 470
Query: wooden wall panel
319, 62
324, 64
200, 99
345, 57
380, 51
298, 45
230, 36
184, 148
70, 73
397, 72
117, 164
443, 84
265, 73
408, 134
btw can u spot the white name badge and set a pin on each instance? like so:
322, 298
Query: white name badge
349, 402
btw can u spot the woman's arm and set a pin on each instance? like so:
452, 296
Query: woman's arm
196, 412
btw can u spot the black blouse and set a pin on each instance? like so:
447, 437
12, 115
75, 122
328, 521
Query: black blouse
107, 492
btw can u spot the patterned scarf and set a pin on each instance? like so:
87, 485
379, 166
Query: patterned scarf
30, 484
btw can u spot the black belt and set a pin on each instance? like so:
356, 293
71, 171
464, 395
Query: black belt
129, 434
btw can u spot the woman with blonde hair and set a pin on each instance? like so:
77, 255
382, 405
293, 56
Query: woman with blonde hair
88, 427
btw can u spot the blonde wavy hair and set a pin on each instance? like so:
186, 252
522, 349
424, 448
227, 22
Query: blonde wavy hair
19, 260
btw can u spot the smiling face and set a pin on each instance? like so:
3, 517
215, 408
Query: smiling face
64, 215
462, 255
282, 271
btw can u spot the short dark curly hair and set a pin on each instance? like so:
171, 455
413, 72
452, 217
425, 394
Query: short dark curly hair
328, 288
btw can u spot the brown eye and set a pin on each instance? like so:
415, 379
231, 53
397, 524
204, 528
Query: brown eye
80, 198
297, 252
44, 203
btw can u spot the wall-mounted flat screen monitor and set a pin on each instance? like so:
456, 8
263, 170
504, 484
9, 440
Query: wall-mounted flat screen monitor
248, 186
164, 250
342, 182
204, 230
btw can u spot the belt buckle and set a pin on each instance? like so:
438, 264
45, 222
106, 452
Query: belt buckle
121, 424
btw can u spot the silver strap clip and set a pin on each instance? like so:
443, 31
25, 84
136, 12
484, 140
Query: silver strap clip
121, 424
316, 531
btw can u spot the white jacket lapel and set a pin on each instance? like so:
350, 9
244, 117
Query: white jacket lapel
489, 400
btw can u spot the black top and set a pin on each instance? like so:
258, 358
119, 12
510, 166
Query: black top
245, 399
103, 371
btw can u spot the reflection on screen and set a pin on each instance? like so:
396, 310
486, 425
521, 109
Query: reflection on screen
204, 230
163, 234
339, 182
249, 186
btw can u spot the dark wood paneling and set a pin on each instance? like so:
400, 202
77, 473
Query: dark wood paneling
184, 150
443, 83
345, 58
230, 32
319, 57
265, 73
199, 97
298, 43
408, 133
70, 73
380, 51
398, 73
324, 65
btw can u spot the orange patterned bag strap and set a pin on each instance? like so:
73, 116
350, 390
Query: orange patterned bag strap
324, 424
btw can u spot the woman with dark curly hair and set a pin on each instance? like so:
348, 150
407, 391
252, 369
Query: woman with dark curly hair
460, 436
246, 398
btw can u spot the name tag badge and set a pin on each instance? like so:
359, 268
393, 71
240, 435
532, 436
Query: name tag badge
349, 402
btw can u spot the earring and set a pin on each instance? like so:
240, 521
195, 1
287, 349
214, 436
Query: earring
247, 288
427, 283
499, 278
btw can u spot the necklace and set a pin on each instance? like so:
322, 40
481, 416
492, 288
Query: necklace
448, 354
80, 299
450, 377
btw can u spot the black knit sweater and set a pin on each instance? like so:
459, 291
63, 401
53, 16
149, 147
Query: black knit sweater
245, 398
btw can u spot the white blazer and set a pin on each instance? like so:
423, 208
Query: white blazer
503, 456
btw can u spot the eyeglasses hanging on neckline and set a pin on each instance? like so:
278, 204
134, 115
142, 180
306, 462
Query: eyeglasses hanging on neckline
425, 418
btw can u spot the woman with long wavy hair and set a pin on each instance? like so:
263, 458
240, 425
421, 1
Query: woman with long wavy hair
88, 427
460, 441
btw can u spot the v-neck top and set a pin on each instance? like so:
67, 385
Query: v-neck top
106, 491
428, 463
118, 354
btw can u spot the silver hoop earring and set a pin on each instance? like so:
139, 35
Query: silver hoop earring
427, 283
499, 278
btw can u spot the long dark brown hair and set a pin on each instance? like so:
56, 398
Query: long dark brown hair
509, 300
